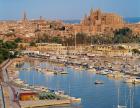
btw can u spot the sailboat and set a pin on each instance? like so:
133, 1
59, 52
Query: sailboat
120, 106
131, 100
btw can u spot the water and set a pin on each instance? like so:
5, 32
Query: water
128, 20
81, 84
132, 20
72, 21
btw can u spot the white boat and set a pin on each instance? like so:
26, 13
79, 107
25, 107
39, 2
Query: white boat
133, 80
19, 81
119, 106
98, 82
25, 89
75, 100
104, 72
49, 73
129, 80
77, 69
39, 88
137, 80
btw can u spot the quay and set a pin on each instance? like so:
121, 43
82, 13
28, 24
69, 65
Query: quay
12, 100
41, 103
2, 103
7, 91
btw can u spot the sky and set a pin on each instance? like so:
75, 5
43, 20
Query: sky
65, 9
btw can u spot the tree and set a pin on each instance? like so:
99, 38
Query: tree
81, 38
56, 39
135, 51
10, 45
123, 35
32, 43
121, 47
18, 40
6, 48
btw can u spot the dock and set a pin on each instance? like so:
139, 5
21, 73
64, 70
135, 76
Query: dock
41, 103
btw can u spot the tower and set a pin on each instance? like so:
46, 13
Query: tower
91, 12
24, 17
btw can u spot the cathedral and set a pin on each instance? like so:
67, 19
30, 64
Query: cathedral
99, 22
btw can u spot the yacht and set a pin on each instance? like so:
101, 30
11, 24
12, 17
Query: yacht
133, 80
121, 106
98, 82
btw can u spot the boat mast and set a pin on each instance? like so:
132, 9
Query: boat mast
120, 106
118, 96
75, 40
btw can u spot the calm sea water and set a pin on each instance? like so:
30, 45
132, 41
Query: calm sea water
129, 20
81, 84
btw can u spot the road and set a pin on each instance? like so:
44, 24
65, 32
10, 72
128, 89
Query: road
2, 103
8, 93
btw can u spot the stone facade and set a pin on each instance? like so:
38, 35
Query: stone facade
96, 50
99, 23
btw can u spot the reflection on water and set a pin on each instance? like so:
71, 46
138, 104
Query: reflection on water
81, 84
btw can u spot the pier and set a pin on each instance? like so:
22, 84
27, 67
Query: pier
41, 103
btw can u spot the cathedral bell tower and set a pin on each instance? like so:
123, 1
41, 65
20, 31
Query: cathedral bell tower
24, 17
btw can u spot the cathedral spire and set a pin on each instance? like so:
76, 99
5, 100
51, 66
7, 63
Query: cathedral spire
24, 16
91, 11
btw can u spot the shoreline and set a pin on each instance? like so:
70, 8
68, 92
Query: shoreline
12, 74
12, 71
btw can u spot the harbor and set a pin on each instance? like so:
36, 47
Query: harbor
99, 80
69, 54
24, 94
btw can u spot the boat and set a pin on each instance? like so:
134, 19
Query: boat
77, 69
98, 82
119, 106
129, 80
49, 72
63, 72
75, 100
40, 88
25, 89
137, 80
104, 72
133, 80
60, 72
19, 81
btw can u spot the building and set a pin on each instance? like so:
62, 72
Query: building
27, 96
96, 23
110, 50
99, 22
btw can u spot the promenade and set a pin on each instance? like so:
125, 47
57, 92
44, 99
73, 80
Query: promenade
7, 91
2, 104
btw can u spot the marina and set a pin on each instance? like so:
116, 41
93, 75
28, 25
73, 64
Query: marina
83, 81
69, 54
